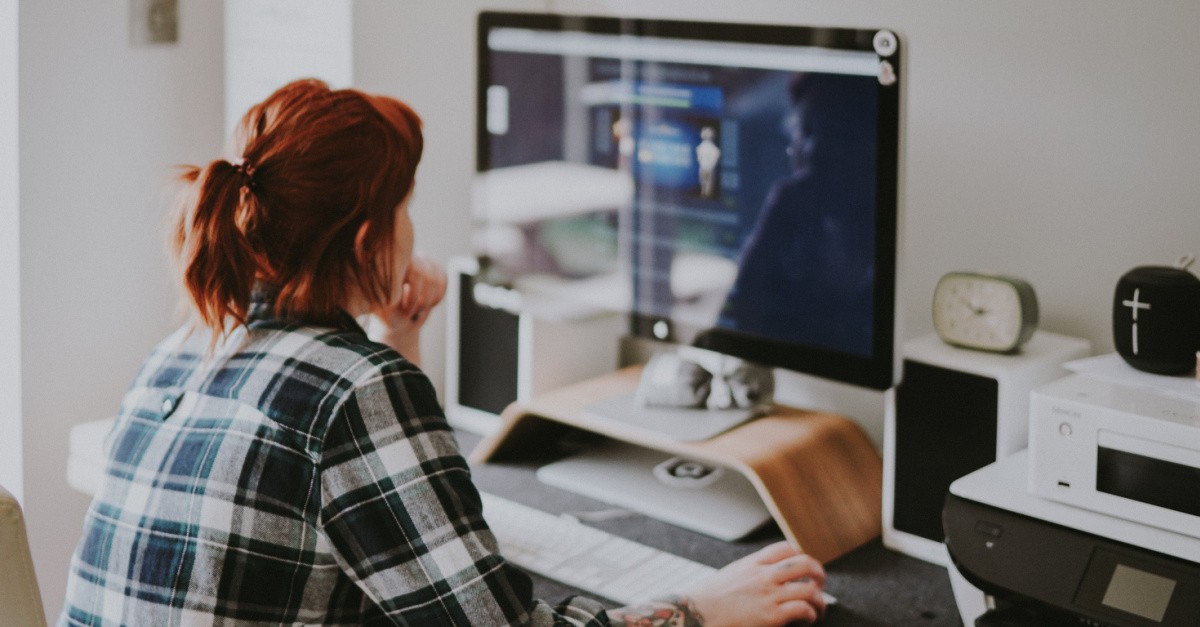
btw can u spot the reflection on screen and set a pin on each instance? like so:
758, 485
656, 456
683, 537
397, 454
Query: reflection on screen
733, 183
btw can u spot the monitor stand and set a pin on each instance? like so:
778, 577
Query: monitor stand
683, 424
702, 497
817, 473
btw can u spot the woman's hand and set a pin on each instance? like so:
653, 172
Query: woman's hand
773, 586
423, 287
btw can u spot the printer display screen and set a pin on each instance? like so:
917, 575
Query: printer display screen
1140, 588
1139, 592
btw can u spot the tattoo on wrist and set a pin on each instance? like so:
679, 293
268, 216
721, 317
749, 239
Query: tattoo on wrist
678, 611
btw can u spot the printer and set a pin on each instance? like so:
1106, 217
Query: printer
1097, 523
1041, 562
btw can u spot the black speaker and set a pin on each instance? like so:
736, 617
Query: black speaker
949, 420
956, 410
500, 350
486, 350
1156, 319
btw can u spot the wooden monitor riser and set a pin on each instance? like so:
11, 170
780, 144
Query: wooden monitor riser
817, 473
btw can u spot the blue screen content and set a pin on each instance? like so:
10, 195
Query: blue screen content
753, 185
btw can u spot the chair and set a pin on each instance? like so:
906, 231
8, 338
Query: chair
20, 599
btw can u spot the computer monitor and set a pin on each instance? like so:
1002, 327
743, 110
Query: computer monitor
734, 186
731, 186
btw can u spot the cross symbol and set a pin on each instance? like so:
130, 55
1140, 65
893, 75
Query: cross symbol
1134, 305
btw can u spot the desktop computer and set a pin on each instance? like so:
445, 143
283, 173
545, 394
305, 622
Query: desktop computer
730, 187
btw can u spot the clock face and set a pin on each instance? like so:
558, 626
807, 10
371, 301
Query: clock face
985, 312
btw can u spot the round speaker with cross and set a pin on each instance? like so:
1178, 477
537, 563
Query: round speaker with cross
1156, 318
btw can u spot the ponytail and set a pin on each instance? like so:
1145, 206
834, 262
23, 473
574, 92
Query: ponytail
219, 265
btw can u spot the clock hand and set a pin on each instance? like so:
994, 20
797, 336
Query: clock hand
979, 311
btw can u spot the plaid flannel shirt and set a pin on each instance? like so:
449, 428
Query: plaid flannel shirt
300, 474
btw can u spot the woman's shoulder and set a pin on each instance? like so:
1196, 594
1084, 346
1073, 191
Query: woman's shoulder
343, 384
354, 355
345, 355
287, 371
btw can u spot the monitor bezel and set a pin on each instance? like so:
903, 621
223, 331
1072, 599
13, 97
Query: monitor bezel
878, 370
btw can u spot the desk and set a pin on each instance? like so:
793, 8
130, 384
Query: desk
875, 587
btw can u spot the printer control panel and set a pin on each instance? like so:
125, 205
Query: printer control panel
1073, 576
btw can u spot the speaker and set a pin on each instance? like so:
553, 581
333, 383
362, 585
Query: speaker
1156, 319
955, 410
500, 349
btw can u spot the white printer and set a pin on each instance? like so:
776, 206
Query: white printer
1042, 562
1098, 522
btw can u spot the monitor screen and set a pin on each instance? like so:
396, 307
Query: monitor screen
733, 186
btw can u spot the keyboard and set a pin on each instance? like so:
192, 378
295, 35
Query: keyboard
566, 550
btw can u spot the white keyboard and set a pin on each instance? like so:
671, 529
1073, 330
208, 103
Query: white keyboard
566, 550
584, 557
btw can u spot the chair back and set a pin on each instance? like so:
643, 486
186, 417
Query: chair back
20, 599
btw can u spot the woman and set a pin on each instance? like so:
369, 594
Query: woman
270, 464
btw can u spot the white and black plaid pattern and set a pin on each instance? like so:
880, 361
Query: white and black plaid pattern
299, 475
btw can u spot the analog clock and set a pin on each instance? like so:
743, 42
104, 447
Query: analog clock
984, 311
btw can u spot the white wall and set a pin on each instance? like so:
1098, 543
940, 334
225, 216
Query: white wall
269, 43
102, 122
10, 255
424, 54
1057, 141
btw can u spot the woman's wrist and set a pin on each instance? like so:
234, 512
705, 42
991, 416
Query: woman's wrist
675, 611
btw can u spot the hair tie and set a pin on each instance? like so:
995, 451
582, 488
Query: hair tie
246, 170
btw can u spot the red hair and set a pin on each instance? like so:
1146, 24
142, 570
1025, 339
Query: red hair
308, 205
